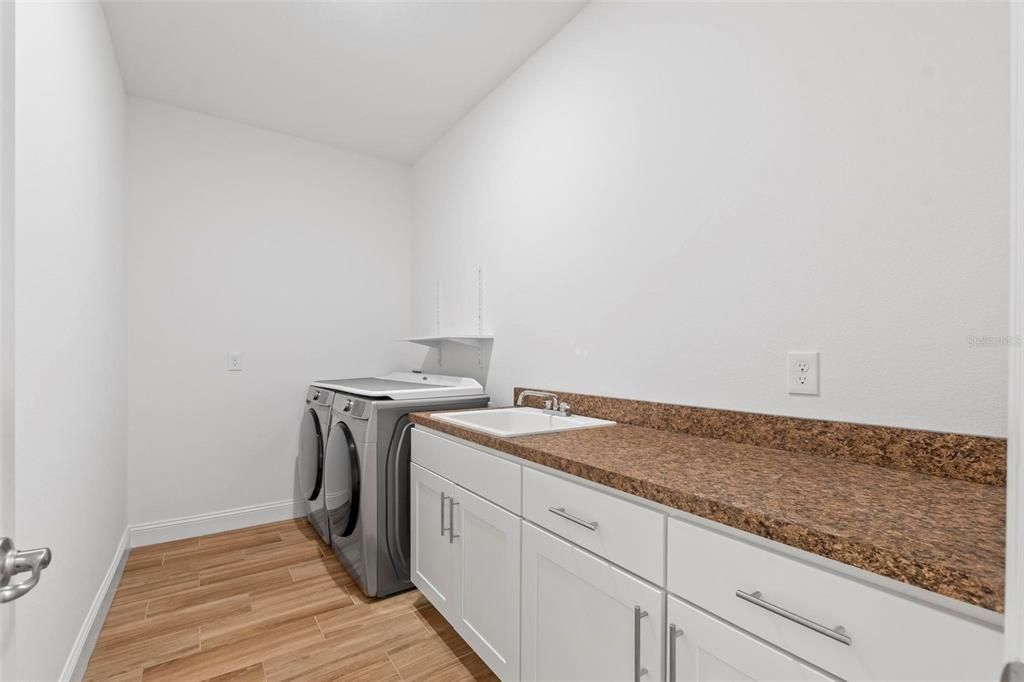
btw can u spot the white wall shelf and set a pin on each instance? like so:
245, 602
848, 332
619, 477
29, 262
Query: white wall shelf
475, 340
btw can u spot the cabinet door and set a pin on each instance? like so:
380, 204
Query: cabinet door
707, 649
432, 551
487, 581
579, 618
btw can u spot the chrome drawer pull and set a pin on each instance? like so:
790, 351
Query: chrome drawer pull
638, 672
443, 529
673, 634
451, 520
838, 633
560, 511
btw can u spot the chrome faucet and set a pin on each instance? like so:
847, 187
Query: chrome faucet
552, 405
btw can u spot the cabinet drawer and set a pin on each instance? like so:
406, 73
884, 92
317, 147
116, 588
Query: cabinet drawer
490, 477
890, 637
622, 532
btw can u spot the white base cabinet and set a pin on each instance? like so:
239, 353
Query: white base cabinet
465, 560
702, 648
584, 619
494, 542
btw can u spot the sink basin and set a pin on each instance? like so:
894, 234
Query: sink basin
519, 421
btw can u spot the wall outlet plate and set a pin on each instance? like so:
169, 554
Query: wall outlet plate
234, 361
802, 372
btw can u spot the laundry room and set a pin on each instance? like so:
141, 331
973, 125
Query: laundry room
511, 340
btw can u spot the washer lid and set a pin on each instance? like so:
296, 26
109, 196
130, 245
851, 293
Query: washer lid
405, 386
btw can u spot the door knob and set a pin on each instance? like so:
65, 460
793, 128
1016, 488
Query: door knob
1013, 672
13, 562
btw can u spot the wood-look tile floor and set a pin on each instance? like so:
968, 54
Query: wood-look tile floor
267, 603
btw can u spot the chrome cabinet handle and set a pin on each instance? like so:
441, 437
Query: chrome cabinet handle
673, 633
560, 511
451, 520
638, 672
13, 562
837, 633
443, 529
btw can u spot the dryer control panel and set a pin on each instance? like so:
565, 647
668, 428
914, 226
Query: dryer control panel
360, 409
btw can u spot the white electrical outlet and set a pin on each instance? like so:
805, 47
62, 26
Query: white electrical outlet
803, 373
234, 362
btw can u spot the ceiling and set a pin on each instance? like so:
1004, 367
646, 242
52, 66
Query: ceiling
384, 78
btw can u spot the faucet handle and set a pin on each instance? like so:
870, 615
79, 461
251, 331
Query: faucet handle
565, 409
550, 405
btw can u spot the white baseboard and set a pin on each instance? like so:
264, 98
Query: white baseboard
78, 659
214, 522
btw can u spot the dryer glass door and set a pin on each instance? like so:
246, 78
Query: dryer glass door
311, 449
398, 497
342, 482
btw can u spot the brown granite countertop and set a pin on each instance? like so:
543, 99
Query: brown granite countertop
943, 535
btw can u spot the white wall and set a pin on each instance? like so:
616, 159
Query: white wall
294, 253
68, 322
669, 197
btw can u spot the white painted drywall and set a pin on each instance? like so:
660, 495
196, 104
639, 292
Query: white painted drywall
294, 253
68, 319
668, 197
